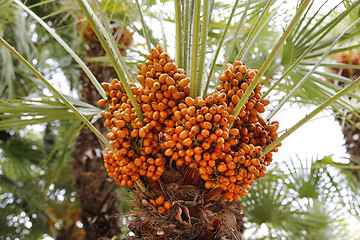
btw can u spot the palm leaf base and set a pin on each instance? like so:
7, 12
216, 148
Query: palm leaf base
196, 212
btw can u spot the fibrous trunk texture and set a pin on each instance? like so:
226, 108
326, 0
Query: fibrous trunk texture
97, 192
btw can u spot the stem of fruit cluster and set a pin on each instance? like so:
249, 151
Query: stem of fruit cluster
311, 115
252, 31
204, 34
334, 23
219, 47
91, 76
163, 36
178, 33
300, 83
116, 62
145, 32
271, 57
185, 43
234, 39
195, 49
58, 94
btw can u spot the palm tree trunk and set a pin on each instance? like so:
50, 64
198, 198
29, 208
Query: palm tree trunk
97, 192
351, 134
351, 128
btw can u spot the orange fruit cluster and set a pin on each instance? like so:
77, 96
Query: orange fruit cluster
181, 131
202, 137
137, 145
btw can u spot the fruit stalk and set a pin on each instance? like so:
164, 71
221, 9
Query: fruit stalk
195, 49
179, 37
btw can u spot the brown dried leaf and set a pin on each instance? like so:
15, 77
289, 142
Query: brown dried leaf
183, 216
171, 176
228, 218
155, 185
213, 195
210, 231
192, 177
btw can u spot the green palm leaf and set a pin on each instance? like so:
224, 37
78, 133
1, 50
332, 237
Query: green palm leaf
271, 203
22, 112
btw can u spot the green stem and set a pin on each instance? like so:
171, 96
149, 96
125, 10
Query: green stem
253, 28
178, 33
145, 32
336, 22
311, 115
195, 49
163, 36
204, 34
219, 47
106, 44
67, 48
234, 39
58, 94
271, 57
185, 43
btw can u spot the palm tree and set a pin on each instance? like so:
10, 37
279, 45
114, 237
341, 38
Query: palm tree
191, 204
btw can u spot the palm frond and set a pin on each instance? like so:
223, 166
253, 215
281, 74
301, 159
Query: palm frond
22, 112
347, 182
57, 94
307, 75
19, 164
270, 202
67, 48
